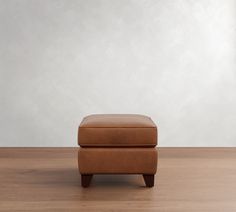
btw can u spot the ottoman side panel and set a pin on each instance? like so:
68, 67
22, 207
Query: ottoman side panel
117, 160
117, 137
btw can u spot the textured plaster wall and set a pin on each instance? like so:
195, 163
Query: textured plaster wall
174, 60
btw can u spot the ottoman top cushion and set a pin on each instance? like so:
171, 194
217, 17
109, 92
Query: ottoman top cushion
117, 130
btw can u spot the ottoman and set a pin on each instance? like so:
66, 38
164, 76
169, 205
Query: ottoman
117, 144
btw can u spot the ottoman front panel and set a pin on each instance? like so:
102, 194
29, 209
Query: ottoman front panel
117, 137
117, 131
117, 160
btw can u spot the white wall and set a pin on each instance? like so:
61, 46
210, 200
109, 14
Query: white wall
174, 60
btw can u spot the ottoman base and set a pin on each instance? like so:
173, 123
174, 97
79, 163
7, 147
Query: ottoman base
138, 160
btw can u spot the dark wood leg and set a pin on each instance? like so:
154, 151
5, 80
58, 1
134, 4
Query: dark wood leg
86, 179
149, 179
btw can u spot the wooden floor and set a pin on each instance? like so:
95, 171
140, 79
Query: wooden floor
188, 179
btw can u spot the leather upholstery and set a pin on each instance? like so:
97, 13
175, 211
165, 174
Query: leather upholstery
117, 130
117, 160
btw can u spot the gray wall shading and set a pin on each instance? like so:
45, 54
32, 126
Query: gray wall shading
174, 60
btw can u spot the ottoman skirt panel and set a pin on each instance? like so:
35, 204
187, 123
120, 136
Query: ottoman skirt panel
117, 160
117, 144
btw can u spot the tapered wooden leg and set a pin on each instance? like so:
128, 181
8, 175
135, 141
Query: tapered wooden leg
149, 179
86, 179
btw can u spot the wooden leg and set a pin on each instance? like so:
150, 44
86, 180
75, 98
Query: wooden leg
86, 179
149, 179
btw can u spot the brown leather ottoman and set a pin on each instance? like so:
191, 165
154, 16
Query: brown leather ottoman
117, 144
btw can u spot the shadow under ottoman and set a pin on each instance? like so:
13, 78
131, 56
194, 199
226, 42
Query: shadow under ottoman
117, 144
